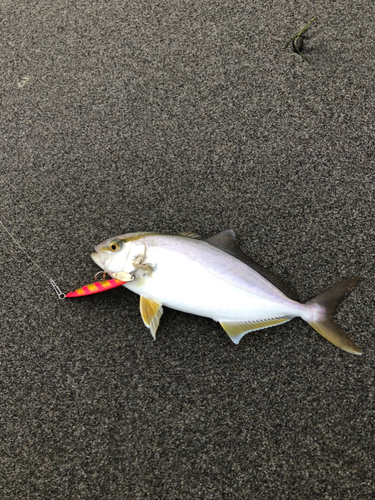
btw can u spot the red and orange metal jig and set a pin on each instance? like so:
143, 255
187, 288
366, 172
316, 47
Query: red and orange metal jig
97, 287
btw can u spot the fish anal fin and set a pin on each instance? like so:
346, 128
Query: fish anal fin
236, 330
151, 312
227, 242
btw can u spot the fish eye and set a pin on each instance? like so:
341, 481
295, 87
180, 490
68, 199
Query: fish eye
114, 245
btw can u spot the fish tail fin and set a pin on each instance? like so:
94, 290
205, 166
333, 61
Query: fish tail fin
326, 325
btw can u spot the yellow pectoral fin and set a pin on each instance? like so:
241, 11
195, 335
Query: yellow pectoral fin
237, 330
151, 313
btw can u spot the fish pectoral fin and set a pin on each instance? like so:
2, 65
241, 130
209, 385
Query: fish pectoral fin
151, 313
236, 330
148, 268
140, 264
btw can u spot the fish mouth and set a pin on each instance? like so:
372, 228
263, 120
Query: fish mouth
96, 258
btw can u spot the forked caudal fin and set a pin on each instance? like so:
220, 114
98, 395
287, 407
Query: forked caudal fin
327, 326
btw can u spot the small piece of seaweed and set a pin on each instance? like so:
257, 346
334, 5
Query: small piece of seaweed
297, 41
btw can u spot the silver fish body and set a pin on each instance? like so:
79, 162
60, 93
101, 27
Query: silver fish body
214, 279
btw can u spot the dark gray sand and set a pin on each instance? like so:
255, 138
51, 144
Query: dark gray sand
127, 116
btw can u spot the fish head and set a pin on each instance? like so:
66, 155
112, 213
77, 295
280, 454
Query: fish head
117, 254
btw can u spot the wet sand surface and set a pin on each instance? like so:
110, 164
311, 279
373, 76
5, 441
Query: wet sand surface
172, 116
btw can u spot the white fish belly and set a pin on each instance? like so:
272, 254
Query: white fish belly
181, 282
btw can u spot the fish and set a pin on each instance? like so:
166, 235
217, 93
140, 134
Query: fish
214, 278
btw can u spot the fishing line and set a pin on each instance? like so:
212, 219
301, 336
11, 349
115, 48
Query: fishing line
59, 293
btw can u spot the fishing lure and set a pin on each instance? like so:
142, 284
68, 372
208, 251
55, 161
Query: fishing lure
97, 287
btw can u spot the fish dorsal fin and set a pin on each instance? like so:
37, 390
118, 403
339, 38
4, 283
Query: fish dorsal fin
151, 313
226, 241
237, 330
191, 234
